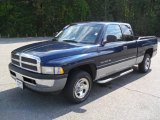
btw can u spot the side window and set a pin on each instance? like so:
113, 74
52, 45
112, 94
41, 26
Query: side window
114, 30
127, 32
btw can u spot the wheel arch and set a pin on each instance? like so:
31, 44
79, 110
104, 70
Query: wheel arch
89, 68
149, 51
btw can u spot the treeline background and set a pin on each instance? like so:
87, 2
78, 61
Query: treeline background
45, 17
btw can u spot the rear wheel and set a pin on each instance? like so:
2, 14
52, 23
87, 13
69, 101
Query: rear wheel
144, 66
78, 86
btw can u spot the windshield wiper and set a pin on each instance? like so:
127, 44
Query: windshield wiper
73, 41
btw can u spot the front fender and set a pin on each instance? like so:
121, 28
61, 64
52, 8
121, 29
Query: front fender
73, 61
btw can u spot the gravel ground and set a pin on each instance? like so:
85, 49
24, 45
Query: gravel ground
132, 97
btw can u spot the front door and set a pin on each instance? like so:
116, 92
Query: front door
114, 54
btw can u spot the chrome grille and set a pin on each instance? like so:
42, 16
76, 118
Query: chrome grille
29, 60
26, 61
29, 66
15, 56
16, 62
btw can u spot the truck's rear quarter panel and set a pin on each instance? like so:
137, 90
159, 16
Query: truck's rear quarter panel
145, 44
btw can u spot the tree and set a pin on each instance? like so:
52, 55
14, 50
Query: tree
31, 17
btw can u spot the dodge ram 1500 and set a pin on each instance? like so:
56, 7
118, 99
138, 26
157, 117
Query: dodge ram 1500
80, 54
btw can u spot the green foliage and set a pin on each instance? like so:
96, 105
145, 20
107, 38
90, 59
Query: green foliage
45, 17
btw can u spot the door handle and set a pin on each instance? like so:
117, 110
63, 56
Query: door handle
125, 47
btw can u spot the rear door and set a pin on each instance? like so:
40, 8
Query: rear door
130, 45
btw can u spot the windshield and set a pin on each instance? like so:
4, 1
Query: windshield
80, 33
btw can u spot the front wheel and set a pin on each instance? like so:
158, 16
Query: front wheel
78, 86
144, 66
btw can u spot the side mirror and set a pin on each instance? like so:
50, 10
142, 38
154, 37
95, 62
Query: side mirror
110, 38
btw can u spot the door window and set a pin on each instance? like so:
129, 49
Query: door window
114, 30
127, 32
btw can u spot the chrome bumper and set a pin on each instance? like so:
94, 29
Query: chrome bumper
41, 85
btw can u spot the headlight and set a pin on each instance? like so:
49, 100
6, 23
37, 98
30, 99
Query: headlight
47, 70
52, 70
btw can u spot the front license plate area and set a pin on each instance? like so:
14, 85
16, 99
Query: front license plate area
19, 84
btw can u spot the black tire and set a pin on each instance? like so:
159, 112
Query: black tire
146, 62
73, 80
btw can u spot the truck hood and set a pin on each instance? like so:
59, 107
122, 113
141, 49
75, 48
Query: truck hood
50, 50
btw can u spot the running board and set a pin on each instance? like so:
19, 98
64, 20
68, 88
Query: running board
114, 76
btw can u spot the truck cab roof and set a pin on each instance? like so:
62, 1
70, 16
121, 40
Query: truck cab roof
102, 22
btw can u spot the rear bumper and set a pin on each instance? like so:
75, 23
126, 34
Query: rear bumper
38, 82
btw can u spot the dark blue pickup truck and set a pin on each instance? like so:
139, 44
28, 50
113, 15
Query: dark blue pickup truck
80, 54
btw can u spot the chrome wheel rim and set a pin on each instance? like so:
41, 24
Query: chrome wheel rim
147, 63
81, 88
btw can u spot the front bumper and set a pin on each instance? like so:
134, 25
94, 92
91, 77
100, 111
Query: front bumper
38, 82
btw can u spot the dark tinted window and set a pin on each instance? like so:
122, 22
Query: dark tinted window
114, 30
127, 32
